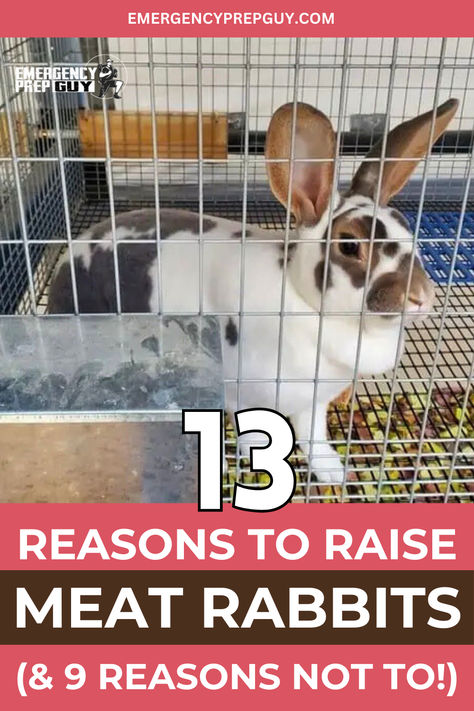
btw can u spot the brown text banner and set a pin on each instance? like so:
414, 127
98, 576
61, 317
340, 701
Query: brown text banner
236, 607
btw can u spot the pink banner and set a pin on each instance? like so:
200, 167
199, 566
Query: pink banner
146, 537
237, 677
337, 18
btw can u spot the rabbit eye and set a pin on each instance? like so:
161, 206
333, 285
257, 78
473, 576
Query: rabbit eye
349, 247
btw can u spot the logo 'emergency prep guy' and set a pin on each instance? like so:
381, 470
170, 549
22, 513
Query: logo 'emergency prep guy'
98, 77
59, 79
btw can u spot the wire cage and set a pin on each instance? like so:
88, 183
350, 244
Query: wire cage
188, 131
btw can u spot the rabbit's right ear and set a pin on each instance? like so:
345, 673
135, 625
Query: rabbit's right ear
311, 181
409, 142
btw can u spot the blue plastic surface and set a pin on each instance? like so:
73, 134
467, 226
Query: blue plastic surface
437, 241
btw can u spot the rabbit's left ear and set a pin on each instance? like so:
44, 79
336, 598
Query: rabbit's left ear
313, 171
409, 140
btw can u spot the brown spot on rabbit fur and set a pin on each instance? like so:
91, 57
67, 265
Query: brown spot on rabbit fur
239, 233
400, 218
96, 283
319, 275
96, 291
289, 253
388, 291
357, 229
391, 248
231, 332
142, 223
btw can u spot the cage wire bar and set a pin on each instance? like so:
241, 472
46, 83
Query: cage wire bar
406, 436
383, 158
332, 206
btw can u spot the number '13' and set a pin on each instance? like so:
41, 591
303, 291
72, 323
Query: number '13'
272, 458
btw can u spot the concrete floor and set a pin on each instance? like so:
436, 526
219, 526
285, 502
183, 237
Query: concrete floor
112, 462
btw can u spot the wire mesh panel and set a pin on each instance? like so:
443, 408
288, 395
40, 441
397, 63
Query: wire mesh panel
188, 131
34, 200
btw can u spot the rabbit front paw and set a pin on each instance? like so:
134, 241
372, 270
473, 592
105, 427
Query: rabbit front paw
326, 465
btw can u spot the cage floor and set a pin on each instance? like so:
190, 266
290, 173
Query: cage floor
437, 237
428, 453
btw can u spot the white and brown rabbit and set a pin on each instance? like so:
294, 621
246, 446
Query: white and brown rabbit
256, 332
